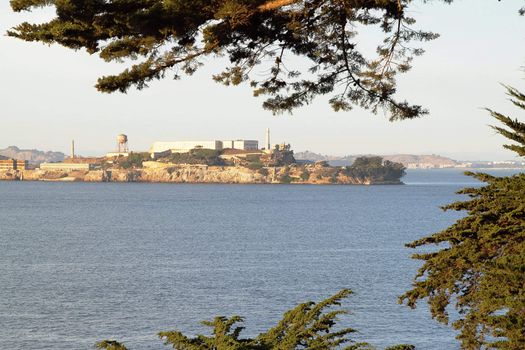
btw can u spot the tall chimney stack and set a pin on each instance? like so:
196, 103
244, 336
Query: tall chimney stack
268, 147
72, 149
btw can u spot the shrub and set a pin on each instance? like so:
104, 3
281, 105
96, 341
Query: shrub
197, 156
255, 165
263, 171
285, 179
254, 158
134, 160
305, 175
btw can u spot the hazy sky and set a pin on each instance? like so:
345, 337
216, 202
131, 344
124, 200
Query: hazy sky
47, 96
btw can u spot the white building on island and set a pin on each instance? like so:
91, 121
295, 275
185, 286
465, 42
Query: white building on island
160, 148
246, 145
164, 148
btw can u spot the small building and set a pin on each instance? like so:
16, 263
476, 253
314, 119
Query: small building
66, 166
246, 145
84, 160
13, 164
117, 154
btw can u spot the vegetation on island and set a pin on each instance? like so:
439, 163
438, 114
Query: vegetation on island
365, 170
217, 166
375, 168
307, 326
479, 265
196, 156
133, 161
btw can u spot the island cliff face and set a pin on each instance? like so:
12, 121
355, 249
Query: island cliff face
319, 173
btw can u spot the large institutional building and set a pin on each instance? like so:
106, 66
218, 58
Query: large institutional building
159, 149
247, 145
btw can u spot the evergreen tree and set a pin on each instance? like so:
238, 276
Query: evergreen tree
261, 38
287, 50
307, 326
481, 264
110, 345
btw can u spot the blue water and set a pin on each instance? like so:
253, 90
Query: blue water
82, 262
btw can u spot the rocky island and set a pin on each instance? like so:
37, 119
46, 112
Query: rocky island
211, 166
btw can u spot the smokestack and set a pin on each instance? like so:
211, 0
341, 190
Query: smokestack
72, 149
268, 147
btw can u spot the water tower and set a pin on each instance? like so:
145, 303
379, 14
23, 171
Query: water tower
122, 143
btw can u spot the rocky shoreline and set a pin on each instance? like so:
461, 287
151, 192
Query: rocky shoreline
155, 172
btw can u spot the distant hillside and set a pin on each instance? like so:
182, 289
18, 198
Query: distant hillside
315, 157
33, 156
408, 160
422, 161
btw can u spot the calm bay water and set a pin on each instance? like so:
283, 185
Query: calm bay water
83, 262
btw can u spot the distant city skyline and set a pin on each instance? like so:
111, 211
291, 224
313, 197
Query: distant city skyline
48, 98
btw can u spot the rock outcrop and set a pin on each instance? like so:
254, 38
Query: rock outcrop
319, 173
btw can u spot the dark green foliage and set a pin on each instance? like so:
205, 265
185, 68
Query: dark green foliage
375, 168
253, 158
134, 160
280, 158
263, 34
110, 345
255, 165
263, 171
305, 175
480, 262
204, 153
307, 326
285, 179
402, 347
517, 132
254, 162
197, 156
367, 162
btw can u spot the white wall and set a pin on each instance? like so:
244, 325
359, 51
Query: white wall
227, 144
246, 144
184, 146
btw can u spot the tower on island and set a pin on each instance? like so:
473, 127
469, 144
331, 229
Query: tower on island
122, 147
122, 144
267, 141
